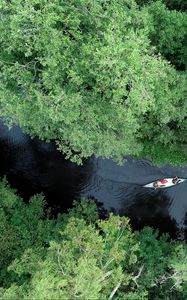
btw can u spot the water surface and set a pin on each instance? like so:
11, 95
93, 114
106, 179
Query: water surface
33, 166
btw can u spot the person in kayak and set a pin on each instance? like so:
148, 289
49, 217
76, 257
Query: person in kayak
160, 183
175, 180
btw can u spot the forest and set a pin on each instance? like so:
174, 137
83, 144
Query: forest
104, 78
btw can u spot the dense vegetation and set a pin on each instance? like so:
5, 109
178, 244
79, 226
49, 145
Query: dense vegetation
77, 255
101, 77
180, 5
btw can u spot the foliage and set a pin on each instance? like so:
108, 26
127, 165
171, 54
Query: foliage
168, 33
84, 74
84, 257
175, 154
22, 226
180, 5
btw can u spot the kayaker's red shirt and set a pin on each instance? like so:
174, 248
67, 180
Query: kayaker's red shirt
163, 181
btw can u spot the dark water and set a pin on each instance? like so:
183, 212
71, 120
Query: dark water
33, 166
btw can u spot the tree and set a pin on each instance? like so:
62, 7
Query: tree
179, 5
176, 4
21, 226
168, 33
81, 73
77, 255
90, 265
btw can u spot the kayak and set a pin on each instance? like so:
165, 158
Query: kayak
165, 185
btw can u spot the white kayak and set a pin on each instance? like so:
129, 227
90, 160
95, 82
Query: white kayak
165, 185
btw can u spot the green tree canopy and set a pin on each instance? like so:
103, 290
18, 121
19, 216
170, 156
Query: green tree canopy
83, 73
168, 33
180, 5
77, 255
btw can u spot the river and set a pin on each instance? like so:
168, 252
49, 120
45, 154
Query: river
33, 166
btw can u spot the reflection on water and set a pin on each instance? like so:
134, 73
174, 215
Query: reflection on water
33, 166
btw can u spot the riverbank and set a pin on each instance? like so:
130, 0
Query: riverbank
159, 155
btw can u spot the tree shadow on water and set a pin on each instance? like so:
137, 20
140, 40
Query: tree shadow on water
152, 210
